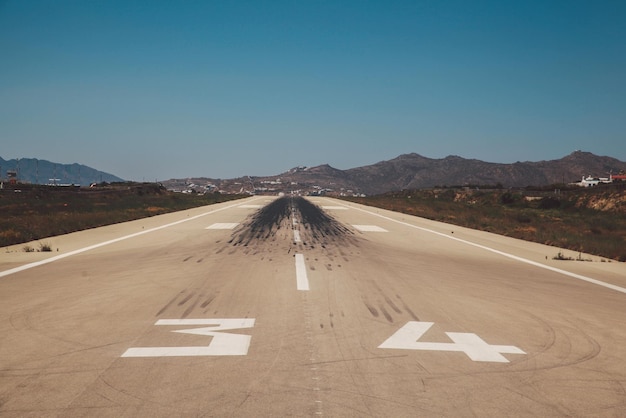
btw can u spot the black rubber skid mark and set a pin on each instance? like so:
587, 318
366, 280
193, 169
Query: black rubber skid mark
320, 224
267, 220
262, 223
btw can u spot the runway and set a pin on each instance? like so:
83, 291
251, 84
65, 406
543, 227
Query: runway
307, 307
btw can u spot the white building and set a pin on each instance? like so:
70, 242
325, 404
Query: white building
593, 181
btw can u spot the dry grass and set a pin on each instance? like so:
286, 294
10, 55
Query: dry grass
567, 219
38, 212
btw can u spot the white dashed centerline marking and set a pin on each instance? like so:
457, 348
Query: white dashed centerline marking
302, 281
296, 236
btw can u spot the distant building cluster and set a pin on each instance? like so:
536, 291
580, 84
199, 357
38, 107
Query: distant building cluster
591, 181
266, 186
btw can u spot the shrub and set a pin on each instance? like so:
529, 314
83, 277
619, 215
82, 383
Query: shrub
507, 198
560, 256
549, 203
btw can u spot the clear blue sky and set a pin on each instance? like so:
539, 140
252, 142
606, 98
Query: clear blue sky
172, 89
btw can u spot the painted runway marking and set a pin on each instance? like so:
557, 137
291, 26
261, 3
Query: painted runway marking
113, 241
218, 225
222, 344
334, 208
502, 253
302, 281
369, 228
406, 338
296, 236
251, 206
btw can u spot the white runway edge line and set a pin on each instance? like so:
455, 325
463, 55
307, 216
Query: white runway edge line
502, 253
302, 281
102, 244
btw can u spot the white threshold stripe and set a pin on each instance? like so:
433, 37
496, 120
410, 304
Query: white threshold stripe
369, 228
502, 253
302, 281
223, 225
102, 244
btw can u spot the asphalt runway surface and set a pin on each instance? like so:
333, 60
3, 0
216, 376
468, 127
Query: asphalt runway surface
307, 307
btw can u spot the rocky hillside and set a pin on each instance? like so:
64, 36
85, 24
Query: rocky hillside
607, 201
35, 171
413, 171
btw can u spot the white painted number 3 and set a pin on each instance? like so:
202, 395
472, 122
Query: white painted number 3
471, 344
222, 343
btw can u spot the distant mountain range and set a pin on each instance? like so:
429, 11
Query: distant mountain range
35, 171
408, 171
413, 171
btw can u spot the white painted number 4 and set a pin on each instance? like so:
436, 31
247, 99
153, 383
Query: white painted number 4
471, 344
222, 344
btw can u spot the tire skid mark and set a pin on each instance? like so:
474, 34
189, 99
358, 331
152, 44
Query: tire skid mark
170, 303
275, 221
118, 391
555, 338
372, 310
191, 308
393, 305
410, 312
207, 301
186, 299
386, 314
594, 346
